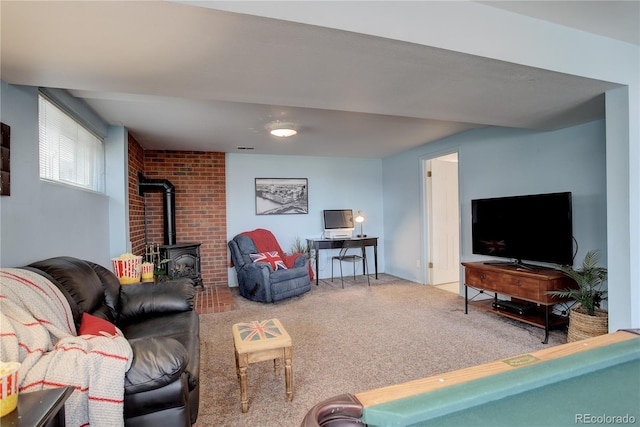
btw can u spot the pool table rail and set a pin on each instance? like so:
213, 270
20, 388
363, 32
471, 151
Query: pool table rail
436, 382
351, 410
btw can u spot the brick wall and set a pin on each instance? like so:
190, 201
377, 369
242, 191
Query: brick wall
200, 192
136, 202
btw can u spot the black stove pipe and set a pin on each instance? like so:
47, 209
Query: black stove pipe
169, 197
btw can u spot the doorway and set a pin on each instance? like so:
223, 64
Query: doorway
443, 222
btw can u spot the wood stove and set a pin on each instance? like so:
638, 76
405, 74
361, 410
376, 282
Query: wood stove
183, 261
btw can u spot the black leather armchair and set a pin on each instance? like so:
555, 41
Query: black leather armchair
161, 387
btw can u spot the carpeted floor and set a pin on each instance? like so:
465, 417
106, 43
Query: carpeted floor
351, 340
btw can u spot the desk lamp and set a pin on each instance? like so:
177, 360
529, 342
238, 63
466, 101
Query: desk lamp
360, 219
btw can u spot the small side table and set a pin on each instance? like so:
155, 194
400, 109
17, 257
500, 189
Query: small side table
258, 341
39, 409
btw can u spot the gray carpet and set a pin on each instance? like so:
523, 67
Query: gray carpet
351, 340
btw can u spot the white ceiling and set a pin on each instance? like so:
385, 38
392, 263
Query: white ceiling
618, 20
182, 77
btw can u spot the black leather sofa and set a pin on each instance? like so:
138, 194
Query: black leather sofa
158, 320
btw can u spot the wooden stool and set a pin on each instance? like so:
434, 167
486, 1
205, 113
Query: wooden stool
257, 341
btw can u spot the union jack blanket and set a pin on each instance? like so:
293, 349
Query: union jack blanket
37, 330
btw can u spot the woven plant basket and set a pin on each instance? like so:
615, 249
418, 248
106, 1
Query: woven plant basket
582, 326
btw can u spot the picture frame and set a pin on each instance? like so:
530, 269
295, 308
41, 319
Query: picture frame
281, 196
5, 160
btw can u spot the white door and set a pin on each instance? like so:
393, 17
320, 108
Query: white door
444, 220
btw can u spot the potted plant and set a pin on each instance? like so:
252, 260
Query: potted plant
586, 319
300, 247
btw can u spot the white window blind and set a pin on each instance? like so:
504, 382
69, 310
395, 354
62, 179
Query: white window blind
69, 152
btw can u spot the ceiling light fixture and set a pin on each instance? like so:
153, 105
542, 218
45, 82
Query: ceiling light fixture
281, 130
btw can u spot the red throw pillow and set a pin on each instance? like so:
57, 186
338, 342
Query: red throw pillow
92, 325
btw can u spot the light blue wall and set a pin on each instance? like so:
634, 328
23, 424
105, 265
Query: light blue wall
41, 219
334, 183
493, 162
498, 162
622, 222
117, 189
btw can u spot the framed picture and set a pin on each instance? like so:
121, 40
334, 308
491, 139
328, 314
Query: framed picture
280, 196
5, 161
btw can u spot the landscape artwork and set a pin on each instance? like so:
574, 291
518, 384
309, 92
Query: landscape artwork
278, 196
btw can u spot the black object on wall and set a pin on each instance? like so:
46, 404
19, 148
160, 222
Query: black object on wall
5, 161
169, 198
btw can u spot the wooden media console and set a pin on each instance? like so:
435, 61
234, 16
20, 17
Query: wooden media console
526, 288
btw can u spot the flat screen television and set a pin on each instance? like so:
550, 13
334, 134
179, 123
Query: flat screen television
535, 227
338, 223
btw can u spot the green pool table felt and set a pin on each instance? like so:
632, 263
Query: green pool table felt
599, 382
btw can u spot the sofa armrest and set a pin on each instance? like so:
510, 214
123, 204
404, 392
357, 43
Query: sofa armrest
147, 299
157, 361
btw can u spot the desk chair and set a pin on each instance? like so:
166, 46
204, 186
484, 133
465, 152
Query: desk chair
345, 256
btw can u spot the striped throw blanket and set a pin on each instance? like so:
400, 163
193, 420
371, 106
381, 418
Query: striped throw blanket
37, 330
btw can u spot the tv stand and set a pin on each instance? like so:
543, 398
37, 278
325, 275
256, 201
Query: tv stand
517, 264
526, 288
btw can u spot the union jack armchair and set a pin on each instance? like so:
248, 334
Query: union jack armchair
265, 272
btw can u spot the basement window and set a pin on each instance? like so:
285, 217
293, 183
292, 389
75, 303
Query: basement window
69, 152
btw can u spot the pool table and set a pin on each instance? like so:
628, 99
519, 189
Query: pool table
593, 381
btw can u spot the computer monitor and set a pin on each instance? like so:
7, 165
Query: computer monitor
338, 223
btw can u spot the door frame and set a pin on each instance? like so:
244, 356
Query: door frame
425, 271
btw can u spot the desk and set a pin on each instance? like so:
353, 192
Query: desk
565, 385
39, 408
337, 244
